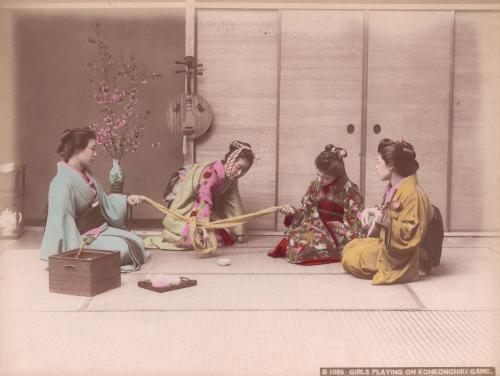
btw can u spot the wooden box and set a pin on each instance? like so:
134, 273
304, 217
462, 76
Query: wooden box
94, 272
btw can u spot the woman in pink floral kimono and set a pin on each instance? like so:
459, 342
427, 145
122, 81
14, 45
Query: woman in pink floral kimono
208, 191
327, 218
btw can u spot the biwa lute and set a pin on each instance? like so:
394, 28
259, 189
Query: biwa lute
189, 115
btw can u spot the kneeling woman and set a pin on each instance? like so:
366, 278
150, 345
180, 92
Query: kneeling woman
328, 215
208, 191
73, 191
395, 255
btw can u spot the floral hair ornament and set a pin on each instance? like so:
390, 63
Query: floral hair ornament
341, 153
405, 146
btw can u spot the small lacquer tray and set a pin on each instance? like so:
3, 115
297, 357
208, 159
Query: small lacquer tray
185, 282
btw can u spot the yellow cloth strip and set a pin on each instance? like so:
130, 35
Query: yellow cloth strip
208, 227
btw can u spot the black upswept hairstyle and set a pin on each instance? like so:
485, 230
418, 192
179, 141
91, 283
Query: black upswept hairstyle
330, 161
73, 141
400, 155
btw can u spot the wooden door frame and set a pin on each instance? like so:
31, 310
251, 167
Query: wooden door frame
262, 4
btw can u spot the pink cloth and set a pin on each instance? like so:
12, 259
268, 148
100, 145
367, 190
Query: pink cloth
212, 180
391, 191
95, 232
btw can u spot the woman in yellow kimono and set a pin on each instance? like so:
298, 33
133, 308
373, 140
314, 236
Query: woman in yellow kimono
396, 255
208, 191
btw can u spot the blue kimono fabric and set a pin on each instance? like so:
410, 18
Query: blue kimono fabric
71, 192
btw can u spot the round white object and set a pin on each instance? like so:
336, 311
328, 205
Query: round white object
224, 262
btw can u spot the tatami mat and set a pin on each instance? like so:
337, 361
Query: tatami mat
466, 279
259, 316
241, 343
258, 292
243, 261
24, 285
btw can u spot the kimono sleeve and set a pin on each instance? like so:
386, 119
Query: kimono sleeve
61, 233
204, 201
408, 227
113, 206
353, 203
305, 204
229, 205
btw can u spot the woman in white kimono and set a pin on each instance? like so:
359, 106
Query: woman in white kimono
73, 191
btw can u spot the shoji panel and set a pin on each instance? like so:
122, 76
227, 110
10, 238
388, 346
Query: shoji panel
321, 94
239, 51
476, 122
409, 57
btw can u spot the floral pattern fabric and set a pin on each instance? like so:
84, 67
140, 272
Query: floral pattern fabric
212, 182
326, 220
200, 190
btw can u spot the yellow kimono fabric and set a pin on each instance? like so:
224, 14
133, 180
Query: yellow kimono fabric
395, 257
227, 203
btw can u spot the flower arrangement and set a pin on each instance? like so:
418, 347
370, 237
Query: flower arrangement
121, 126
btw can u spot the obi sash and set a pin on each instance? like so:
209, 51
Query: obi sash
330, 211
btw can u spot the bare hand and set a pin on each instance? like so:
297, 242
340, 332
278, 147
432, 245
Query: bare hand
134, 200
369, 215
287, 209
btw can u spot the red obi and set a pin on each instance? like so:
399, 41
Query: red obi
330, 211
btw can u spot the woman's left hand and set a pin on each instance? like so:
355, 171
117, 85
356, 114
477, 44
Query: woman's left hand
134, 200
368, 215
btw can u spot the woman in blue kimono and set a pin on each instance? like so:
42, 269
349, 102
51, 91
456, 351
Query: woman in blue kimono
73, 191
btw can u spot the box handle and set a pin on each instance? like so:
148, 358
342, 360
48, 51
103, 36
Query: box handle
70, 267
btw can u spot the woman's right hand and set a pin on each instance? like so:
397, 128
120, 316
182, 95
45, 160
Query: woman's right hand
287, 209
134, 200
368, 215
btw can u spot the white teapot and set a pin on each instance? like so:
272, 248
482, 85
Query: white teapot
9, 221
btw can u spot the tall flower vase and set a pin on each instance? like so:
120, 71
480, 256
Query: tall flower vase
116, 178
